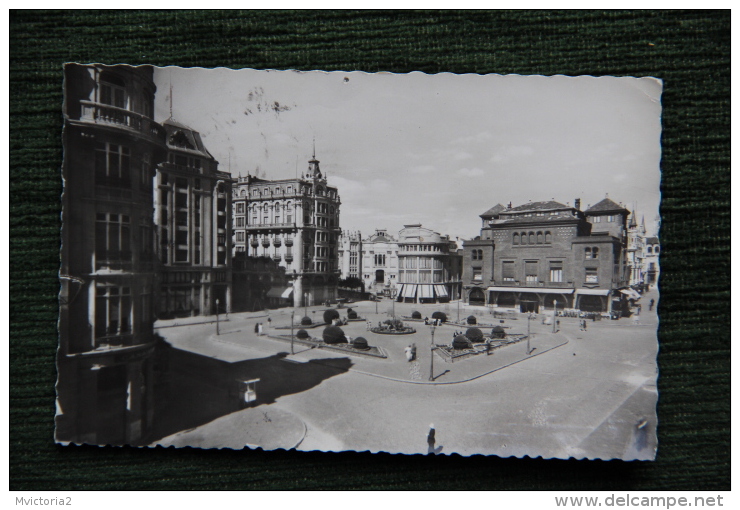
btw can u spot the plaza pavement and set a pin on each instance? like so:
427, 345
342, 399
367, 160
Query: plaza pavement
582, 399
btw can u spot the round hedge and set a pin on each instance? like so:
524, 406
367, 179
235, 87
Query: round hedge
306, 321
416, 315
461, 342
334, 335
474, 334
440, 315
330, 315
472, 320
498, 332
360, 343
302, 333
351, 314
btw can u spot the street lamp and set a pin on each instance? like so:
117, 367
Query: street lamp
431, 357
292, 320
555, 316
217, 331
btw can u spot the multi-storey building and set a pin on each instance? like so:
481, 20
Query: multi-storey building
427, 271
296, 223
193, 227
652, 260
105, 358
547, 254
379, 259
350, 254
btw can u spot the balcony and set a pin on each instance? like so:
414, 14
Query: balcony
289, 241
277, 242
104, 114
277, 257
265, 242
289, 258
264, 226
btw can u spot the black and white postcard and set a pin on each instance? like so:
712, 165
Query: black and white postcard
405, 263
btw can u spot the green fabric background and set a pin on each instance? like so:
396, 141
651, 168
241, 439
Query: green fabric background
690, 51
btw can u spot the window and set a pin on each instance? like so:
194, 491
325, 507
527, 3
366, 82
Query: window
507, 271
657, 249
240, 221
112, 237
592, 275
112, 165
650, 249
540, 238
477, 275
531, 238
610, 219
548, 238
112, 91
592, 253
379, 260
240, 208
410, 263
556, 272
524, 238
530, 271
477, 255
112, 310
240, 237
597, 219
425, 263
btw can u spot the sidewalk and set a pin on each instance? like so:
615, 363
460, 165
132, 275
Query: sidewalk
265, 427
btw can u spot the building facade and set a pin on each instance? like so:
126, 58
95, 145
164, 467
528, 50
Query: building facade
547, 254
428, 266
379, 262
192, 216
636, 249
108, 267
652, 260
296, 223
350, 254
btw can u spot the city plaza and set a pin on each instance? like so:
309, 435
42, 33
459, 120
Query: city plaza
564, 393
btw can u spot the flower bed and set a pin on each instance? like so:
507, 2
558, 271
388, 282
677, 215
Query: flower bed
449, 354
386, 331
375, 352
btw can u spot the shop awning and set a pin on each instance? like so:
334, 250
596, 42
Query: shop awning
631, 293
409, 291
535, 290
399, 294
286, 293
593, 292
277, 292
441, 290
425, 291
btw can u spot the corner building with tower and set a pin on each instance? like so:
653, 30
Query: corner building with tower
295, 222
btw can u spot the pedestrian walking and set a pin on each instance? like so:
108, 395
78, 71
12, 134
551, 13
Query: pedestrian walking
431, 440
369, 325
259, 329
407, 352
585, 324
650, 306
413, 351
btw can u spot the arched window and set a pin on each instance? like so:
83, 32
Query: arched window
657, 249
244, 193
531, 238
588, 252
650, 249
540, 238
595, 252
548, 238
516, 238
524, 238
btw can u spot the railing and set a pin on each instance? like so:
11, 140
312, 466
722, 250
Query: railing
271, 225
277, 257
107, 114
116, 340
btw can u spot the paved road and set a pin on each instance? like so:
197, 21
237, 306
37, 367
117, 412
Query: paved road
594, 398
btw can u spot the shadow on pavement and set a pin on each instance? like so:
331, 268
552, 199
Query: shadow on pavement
193, 389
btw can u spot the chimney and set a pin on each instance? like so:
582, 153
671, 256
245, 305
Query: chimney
577, 204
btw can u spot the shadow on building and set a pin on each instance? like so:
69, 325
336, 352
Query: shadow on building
194, 389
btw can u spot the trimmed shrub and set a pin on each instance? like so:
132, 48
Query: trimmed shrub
330, 315
306, 321
472, 320
334, 335
461, 342
440, 315
360, 343
416, 315
395, 323
474, 335
351, 314
302, 333
498, 332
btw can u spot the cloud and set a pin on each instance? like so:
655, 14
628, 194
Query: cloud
422, 169
471, 172
460, 156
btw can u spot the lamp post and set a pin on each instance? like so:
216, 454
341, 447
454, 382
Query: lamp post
555, 316
458, 310
305, 303
292, 320
431, 357
376, 305
529, 319
217, 331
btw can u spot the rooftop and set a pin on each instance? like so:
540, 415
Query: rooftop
606, 205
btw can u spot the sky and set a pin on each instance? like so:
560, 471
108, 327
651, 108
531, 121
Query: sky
432, 149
